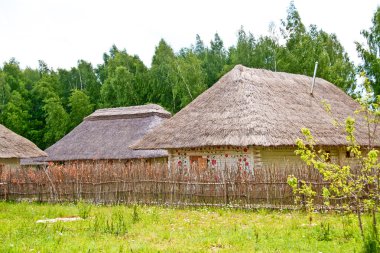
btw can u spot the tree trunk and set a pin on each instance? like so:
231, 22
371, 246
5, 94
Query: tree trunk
359, 218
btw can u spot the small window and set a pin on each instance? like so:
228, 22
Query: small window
198, 161
349, 154
328, 154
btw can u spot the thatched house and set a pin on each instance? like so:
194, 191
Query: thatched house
251, 118
107, 134
13, 147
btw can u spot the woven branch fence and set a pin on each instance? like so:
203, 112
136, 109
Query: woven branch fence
156, 184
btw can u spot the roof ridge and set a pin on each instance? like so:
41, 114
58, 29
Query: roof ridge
138, 111
126, 116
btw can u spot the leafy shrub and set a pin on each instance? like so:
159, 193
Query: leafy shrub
84, 209
324, 232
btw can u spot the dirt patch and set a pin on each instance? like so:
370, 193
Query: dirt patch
66, 219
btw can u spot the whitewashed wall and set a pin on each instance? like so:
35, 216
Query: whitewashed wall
217, 157
249, 158
285, 156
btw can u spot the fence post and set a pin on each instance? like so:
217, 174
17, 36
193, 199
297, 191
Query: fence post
6, 191
117, 193
39, 192
73, 190
225, 193
9, 185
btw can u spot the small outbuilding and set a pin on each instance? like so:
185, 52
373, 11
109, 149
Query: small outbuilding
251, 118
107, 134
13, 147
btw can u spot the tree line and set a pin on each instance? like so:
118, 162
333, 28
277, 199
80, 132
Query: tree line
44, 104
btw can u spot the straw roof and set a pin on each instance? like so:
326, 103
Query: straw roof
108, 133
257, 107
38, 161
13, 145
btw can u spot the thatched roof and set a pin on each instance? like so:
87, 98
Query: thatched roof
38, 161
257, 107
13, 145
108, 133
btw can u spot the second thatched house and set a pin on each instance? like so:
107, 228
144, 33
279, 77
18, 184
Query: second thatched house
107, 134
13, 147
251, 118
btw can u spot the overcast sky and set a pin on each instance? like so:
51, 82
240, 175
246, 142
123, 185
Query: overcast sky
62, 31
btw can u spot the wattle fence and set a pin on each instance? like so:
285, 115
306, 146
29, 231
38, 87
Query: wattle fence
156, 184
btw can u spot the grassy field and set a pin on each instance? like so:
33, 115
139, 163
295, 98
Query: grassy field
158, 229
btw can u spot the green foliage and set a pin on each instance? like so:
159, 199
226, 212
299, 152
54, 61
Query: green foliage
175, 80
13, 74
118, 90
135, 215
370, 53
80, 106
163, 77
5, 92
84, 209
361, 185
57, 120
292, 26
371, 243
213, 60
244, 53
304, 47
191, 79
89, 81
324, 232
125, 78
303, 193
16, 114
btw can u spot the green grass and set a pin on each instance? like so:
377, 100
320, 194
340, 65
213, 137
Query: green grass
158, 229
